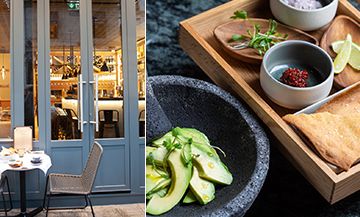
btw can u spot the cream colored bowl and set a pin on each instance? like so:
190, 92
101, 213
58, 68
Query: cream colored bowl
301, 53
306, 20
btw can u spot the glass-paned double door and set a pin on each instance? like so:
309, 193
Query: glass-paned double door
68, 83
90, 87
106, 70
74, 70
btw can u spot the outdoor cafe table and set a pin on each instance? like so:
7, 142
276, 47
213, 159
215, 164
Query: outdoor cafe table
26, 166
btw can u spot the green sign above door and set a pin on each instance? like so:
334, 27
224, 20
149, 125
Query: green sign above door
73, 5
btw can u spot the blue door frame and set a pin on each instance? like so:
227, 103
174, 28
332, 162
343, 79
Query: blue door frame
120, 178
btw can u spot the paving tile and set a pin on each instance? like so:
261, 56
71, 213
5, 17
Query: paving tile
126, 210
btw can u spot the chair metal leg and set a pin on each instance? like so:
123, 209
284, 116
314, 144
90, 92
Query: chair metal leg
9, 192
63, 208
86, 202
48, 204
45, 193
4, 201
92, 210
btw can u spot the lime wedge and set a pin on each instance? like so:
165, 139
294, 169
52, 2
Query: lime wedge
354, 60
343, 56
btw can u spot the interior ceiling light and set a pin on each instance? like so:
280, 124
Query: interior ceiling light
3, 70
104, 67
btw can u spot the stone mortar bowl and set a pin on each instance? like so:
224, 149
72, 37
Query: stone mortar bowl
229, 125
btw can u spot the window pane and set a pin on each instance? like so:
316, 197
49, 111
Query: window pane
30, 67
5, 71
140, 36
65, 70
108, 67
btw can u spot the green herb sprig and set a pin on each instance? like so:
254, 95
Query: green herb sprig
263, 41
239, 15
186, 153
178, 142
159, 172
255, 39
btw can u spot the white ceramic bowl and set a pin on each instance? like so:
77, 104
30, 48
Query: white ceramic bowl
306, 20
301, 53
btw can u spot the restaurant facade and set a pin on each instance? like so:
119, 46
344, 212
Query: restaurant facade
74, 70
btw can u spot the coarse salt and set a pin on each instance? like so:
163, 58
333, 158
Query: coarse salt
304, 4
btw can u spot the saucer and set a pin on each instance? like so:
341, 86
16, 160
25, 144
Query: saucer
36, 162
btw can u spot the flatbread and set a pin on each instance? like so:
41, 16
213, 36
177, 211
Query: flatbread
335, 137
345, 103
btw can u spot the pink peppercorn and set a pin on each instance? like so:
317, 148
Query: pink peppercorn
295, 77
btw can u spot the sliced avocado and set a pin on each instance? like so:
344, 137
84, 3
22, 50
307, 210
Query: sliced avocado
149, 149
210, 167
210, 151
158, 154
160, 193
203, 190
156, 179
159, 142
189, 197
180, 179
196, 135
199, 140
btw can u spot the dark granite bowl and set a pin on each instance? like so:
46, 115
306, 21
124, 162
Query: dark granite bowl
228, 124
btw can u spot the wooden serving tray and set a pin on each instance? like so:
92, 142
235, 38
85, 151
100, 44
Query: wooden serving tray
197, 39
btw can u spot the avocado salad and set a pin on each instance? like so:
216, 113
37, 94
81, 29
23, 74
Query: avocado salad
182, 165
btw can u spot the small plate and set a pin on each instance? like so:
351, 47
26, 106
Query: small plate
224, 32
15, 164
36, 162
339, 28
37, 152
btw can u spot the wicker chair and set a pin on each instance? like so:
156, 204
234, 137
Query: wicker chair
5, 182
70, 185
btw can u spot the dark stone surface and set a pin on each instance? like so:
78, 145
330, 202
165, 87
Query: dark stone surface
157, 122
286, 192
164, 55
193, 103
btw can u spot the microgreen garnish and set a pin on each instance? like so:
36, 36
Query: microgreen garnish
236, 37
175, 132
178, 142
157, 187
239, 15
257, 40
152, 161
218, 148
186, 153
170, 145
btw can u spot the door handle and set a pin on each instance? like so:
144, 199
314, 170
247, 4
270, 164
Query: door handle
78, 102
96, 122
81, 120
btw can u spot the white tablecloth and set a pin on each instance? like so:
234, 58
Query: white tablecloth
27, 165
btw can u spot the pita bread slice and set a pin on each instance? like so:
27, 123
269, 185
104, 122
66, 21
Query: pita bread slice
335, 137
345, 103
